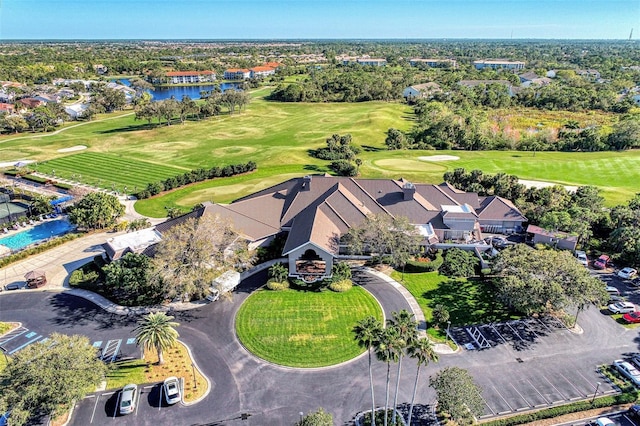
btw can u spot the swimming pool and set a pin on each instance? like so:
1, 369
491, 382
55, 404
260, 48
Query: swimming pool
36, 234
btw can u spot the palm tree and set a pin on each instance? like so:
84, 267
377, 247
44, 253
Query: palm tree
422, 351
387, 351
407, 329
367, 332
157, 331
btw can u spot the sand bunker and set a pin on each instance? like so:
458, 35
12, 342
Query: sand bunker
15, 163
439, 158
543, 184
73, 148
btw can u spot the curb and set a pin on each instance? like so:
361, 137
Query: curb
193, 360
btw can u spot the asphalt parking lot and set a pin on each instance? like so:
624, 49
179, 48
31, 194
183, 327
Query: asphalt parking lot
102, 408
534, 385
621, 419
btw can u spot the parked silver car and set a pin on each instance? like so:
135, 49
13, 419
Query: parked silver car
628, 371
171, 388
128, 399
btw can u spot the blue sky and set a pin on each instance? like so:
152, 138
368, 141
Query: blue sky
287, 19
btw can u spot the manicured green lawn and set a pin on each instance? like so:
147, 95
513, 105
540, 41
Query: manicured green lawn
126, 372
278, 137
304, 329
469, 301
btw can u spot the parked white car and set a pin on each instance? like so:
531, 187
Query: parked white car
628, 371
171, 388
582, 257
622, 307
627, 273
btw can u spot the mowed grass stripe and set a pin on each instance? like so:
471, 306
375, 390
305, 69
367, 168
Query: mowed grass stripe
304, 329
97, 167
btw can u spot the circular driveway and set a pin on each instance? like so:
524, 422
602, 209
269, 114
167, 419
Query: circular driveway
241, 383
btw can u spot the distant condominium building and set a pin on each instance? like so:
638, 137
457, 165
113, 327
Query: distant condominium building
509, 65
434, 63
237, 74
374, 62
181, 77
262, 71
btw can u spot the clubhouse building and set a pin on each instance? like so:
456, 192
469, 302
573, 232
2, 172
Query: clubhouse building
314, 212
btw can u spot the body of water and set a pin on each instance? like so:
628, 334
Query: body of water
162, 93
36, 234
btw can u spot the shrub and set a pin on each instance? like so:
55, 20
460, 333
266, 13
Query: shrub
81, 278
33, 178
341, 286
277, 285
341, 271
459, 263
62, 185
422, 266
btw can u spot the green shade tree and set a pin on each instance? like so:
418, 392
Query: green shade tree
157, 332
540, 281
317, 418
45, 378
459, 263
458, 394
131, 281
96, 210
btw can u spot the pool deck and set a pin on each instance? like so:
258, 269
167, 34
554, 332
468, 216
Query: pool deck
57, 262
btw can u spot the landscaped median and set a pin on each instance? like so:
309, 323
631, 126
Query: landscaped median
177, 363
299, 328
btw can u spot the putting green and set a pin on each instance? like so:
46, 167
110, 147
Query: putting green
304, 328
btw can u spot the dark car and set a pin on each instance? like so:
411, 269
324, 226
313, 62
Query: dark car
634, 412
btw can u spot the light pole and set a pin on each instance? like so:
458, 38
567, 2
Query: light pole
195, 382
448, 326
596, 392
301, 416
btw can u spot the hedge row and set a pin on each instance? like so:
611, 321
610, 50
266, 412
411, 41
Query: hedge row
197, 175
548, 413
23, 254
36, 179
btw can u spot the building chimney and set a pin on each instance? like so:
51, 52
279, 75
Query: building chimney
306, 183
408, 189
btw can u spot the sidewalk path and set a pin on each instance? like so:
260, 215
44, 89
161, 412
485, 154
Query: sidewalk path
440, 348
57, 262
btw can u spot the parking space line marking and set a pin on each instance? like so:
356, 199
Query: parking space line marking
529, 405
536, 389
138, 402
11, 338
160, 398
585, 379
531, 330
94, 409
515, 332
628, 419
115, 410
544, 325
570, 383
557, 390
493, 413
499, 334
25, 344
115, 353
505, 401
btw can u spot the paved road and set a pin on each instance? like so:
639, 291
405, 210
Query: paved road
553, 366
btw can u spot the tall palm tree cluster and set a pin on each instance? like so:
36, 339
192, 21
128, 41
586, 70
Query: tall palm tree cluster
391, 344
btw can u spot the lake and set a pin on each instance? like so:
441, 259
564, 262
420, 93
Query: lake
162, 93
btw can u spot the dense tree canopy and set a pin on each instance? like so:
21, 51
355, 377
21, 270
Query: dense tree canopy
542, 281
458, 394
45, 378
96, 210
192, 254
132, 282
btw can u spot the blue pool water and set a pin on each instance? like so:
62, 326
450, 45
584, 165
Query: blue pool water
36, 234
